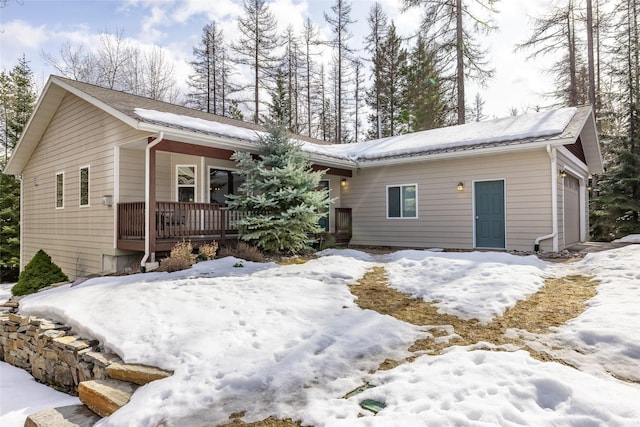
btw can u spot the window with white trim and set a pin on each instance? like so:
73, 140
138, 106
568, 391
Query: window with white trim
60, 190
84, 186
186, 183
402, 201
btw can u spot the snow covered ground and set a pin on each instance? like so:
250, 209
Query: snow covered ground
290, 341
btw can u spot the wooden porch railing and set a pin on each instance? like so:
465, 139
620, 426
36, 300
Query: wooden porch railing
177, 220
182, 220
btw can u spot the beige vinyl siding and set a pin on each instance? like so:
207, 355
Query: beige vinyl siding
577, 169
78, 135
445, 215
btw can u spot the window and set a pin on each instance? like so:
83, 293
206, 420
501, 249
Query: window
222, 183
186, 177
84, 186
402, 201
60, 190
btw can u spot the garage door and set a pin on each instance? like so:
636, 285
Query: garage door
571, 210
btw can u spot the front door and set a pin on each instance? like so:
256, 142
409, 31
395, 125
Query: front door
489, 214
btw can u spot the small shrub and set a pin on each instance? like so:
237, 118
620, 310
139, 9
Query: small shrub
208, 251
242, 250
181, 257
39, 273
327, 241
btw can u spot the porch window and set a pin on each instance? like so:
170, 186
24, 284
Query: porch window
186, 183
60, 190
402, 201
84, 186
221, 183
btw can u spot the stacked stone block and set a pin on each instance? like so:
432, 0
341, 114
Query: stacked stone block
51, 352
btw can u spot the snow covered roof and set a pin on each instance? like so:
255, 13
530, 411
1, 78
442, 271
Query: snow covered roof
554, 127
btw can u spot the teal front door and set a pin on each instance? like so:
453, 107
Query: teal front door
489, 214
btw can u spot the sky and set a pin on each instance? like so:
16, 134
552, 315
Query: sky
34, 27
290, 341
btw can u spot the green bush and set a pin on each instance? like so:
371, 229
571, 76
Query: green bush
39, 273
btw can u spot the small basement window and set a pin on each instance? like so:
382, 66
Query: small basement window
402, 201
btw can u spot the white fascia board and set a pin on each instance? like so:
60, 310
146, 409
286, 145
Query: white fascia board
576, 162
364, 163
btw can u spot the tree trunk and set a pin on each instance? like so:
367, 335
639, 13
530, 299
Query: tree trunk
592, 78
460, 62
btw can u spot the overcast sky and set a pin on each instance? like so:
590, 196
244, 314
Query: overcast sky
31, 27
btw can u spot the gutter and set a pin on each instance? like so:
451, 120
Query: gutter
554, 202
147, 205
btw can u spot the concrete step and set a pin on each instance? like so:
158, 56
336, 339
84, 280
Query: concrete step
65, 416
104, 397
138, 374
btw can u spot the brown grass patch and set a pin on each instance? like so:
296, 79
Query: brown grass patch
268, 422
558, 301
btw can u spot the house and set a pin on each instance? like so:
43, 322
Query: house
108, 176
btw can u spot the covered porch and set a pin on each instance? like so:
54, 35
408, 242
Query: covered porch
183, 195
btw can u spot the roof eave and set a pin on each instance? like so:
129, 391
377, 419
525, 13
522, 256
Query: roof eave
233, 144
515, 147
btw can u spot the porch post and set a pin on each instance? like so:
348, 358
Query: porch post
151, 212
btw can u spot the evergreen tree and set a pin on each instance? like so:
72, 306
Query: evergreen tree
378, 31
39, 273
291, 68
279, 112
556, 32
310, 36
233, 110
256, 46
339, 22
210, 83
446, 25
9, 227
616, 209
17, 103
425, 97
390, 94
281, 192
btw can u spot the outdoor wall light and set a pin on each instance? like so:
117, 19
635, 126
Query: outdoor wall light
107, 200
343, 182
460, 186
563, 173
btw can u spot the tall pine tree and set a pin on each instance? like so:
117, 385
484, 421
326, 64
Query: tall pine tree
17, 103
339, 22
281, 191
616, 209
449, 25
210, 84
425, 98
255, 48
393, 114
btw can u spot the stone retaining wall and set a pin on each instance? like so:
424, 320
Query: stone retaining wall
51, 351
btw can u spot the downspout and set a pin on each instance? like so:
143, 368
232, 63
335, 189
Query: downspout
21, 264
554, 202
147, 204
